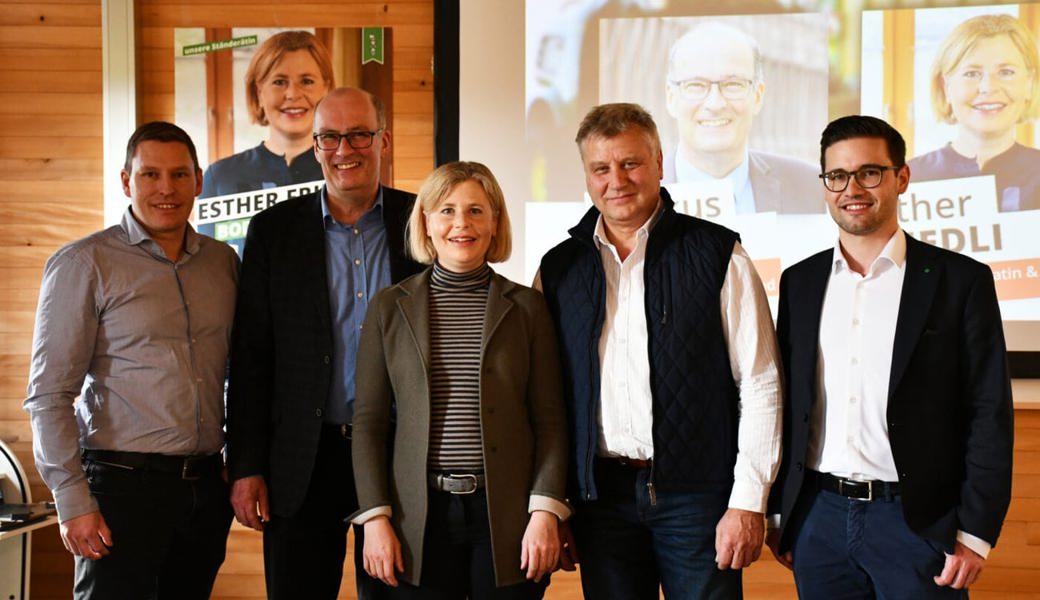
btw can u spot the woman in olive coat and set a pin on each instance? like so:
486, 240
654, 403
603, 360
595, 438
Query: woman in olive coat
459, 439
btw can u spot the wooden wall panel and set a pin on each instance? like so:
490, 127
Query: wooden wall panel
50, 170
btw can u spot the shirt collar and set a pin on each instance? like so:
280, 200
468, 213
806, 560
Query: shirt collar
685, 171
894, 254
329, 220
599, 235
137, 235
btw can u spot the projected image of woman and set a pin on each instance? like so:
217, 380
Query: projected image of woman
287, 76
984, 80
459, 433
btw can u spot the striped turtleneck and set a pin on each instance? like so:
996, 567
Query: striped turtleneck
458, 303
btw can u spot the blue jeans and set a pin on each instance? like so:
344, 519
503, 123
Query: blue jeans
168, 534
629, 548
854, 550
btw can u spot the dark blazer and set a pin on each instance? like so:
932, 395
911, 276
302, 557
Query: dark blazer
949, 401
282, 348
522, 421
783, 184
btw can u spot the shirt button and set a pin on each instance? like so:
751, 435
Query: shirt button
357, 231
357, 261
325, 359
849, 439
360, 294
852, 399
855, 361
855, 321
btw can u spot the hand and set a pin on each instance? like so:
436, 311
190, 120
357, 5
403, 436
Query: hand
962, 568
738, 538
568, 547
249, 499
382, 554
87, 536
540, 548
773, 541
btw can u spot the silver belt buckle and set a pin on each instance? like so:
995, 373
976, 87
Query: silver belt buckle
870, 488
471, 477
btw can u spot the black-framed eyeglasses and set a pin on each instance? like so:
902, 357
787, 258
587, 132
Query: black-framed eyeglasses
733, 88
867, 177
358, 140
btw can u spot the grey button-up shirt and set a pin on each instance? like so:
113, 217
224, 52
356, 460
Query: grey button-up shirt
143, 341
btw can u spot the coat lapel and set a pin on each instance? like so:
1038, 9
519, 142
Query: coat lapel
920, 282
498, 306
415, 308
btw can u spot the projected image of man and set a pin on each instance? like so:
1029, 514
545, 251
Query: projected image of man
715, 89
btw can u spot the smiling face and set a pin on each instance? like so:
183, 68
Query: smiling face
162, 185
461, 227
623, 177
351, 175
989, 89
860, 212
713, 124
289, 92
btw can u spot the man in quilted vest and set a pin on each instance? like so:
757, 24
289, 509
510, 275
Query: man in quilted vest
670, 376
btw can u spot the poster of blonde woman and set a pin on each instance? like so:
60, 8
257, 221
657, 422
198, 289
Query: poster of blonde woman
967, 101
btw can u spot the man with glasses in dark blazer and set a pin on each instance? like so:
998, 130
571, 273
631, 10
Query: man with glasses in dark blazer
310, 266
896, 470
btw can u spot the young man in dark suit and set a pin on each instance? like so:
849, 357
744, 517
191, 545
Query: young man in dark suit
309, 267
896, 473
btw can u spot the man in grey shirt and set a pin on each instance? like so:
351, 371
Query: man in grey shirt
135, 320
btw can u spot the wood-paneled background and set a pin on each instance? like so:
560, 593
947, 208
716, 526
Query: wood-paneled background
51, 182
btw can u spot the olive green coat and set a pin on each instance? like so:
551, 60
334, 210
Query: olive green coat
522, 419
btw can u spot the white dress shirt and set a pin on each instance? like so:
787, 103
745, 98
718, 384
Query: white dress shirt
626, 405
849, 435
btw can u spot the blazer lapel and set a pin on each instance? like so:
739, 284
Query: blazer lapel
920, 282
764, 185
806, 330
312, 249
498, 305
415, 308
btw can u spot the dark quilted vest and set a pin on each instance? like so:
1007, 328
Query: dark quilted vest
694, 396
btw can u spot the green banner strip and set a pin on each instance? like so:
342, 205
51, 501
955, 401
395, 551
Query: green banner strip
371, 45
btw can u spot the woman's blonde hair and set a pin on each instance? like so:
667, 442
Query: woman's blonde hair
436, 188
963, 39
270, 53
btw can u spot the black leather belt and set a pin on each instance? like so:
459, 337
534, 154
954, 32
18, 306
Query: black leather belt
187, 467
631, 463
464, 483
858, 490
344, 431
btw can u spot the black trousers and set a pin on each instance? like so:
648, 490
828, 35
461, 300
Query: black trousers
457, 557
304, 553
168, 534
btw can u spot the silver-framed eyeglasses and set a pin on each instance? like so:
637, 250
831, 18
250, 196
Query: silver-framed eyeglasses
733, 88
358, 140
867, 177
